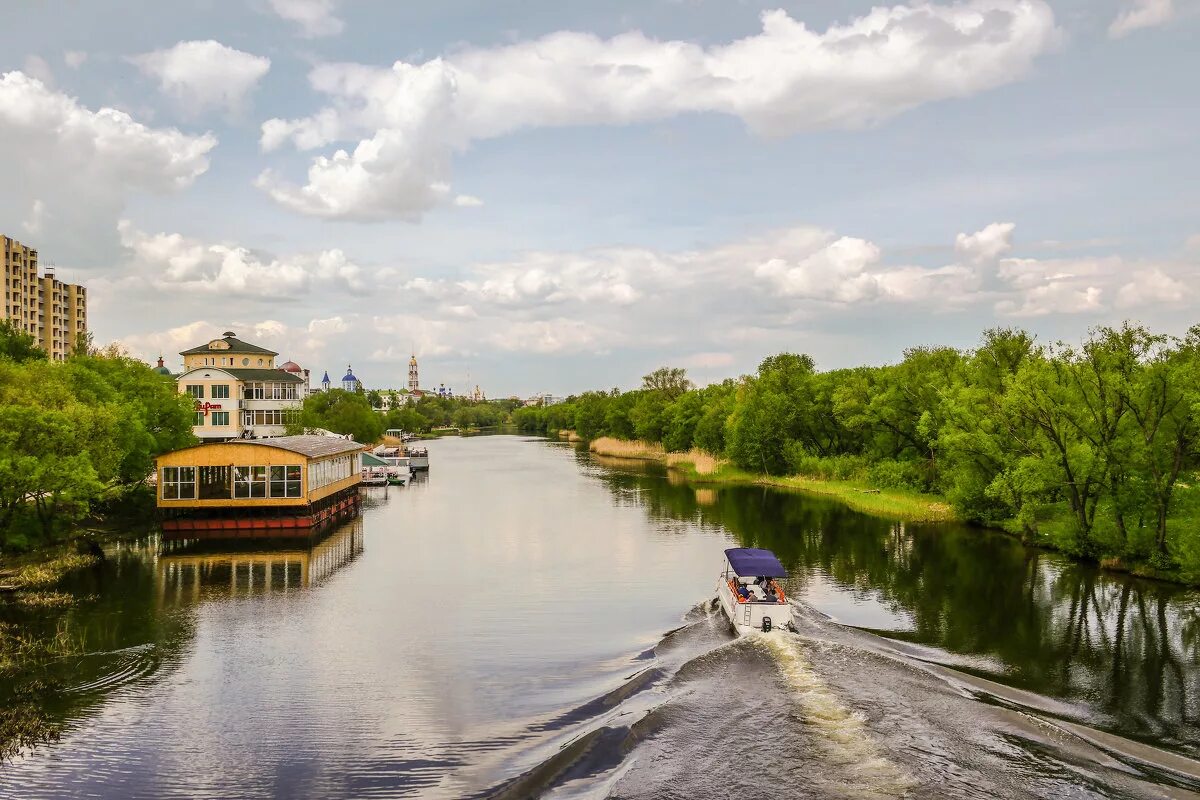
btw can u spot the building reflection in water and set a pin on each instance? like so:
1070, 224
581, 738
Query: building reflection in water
190, 572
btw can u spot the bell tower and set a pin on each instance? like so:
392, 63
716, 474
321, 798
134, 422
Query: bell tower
414, 382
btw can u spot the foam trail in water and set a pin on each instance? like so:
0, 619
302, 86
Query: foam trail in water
844, 733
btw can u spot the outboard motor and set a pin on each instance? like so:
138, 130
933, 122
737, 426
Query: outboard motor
766, 626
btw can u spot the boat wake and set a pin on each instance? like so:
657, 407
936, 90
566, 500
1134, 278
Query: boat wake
828, 712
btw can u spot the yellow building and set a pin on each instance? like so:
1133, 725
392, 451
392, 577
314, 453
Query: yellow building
53, 312
239, 391
288, 486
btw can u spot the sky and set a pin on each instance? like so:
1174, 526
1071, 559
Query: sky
560, 196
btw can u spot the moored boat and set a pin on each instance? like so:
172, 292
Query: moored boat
749, 592
419, 458
374, 470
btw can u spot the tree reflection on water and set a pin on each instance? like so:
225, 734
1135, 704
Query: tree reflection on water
1126, 649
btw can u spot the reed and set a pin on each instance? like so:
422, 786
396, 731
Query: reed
47, 573
627, 448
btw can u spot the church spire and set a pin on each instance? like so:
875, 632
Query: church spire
414, 381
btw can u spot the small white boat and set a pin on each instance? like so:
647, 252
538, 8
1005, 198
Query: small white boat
419, 458
749, 592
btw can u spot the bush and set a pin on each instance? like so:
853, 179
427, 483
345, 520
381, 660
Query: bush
893, 474
826, 468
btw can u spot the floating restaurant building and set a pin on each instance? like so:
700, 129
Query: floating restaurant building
289, 486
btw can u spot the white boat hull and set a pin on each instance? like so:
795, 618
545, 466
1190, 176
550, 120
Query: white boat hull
750, 616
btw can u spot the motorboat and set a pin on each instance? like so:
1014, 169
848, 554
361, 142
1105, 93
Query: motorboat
419, 458
399, 470
399, 466
749, 592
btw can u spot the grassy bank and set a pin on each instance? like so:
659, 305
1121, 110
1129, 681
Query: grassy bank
701, 467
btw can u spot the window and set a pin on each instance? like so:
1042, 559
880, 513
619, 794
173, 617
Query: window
178, 483
285, 481
245, 362
249, 482
220, 418
198, 418
220, 391
260, 362
196, 390
214, 483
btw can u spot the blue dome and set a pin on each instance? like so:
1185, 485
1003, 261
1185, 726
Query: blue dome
349, 376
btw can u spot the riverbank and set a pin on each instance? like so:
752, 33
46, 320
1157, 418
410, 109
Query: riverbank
904, 505
701, 467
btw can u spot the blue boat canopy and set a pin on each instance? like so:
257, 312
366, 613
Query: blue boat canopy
754, 561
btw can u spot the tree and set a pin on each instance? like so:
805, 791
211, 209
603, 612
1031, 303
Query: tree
17, 345
342, 412
156, 417
1158, 389
670, 381
407, 419
57, 450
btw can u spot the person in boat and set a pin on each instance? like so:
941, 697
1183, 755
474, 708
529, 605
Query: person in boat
742, 591
767, 588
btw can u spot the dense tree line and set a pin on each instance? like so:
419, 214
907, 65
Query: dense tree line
353, 413
77, 435
1090, 448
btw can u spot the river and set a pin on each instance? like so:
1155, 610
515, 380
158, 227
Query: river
531, 620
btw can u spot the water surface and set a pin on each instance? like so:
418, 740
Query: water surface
529, 620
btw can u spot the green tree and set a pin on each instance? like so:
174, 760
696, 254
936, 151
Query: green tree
671, 382
17, 345
344, 412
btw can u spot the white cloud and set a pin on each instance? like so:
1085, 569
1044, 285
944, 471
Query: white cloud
828, 270
411, 118
1141, 14
719, 308
304, 344
177, 263
555, 336
75, 58
204, 75
1053, 297
83, 164
1192, 245
1151, 287
315, 17
987, 245
467, 201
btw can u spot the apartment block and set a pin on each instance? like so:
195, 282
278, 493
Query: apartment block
53, 312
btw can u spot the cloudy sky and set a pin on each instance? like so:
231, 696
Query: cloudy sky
552, 196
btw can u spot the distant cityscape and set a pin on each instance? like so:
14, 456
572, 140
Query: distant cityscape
242, 393
239, 389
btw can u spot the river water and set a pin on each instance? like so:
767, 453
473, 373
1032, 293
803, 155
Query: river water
530, 620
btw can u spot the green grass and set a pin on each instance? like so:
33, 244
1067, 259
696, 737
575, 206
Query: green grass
899, 504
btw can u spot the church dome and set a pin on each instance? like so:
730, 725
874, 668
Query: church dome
291, 366
349, 376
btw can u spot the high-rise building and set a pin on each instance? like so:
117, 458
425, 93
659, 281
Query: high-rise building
53, 312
